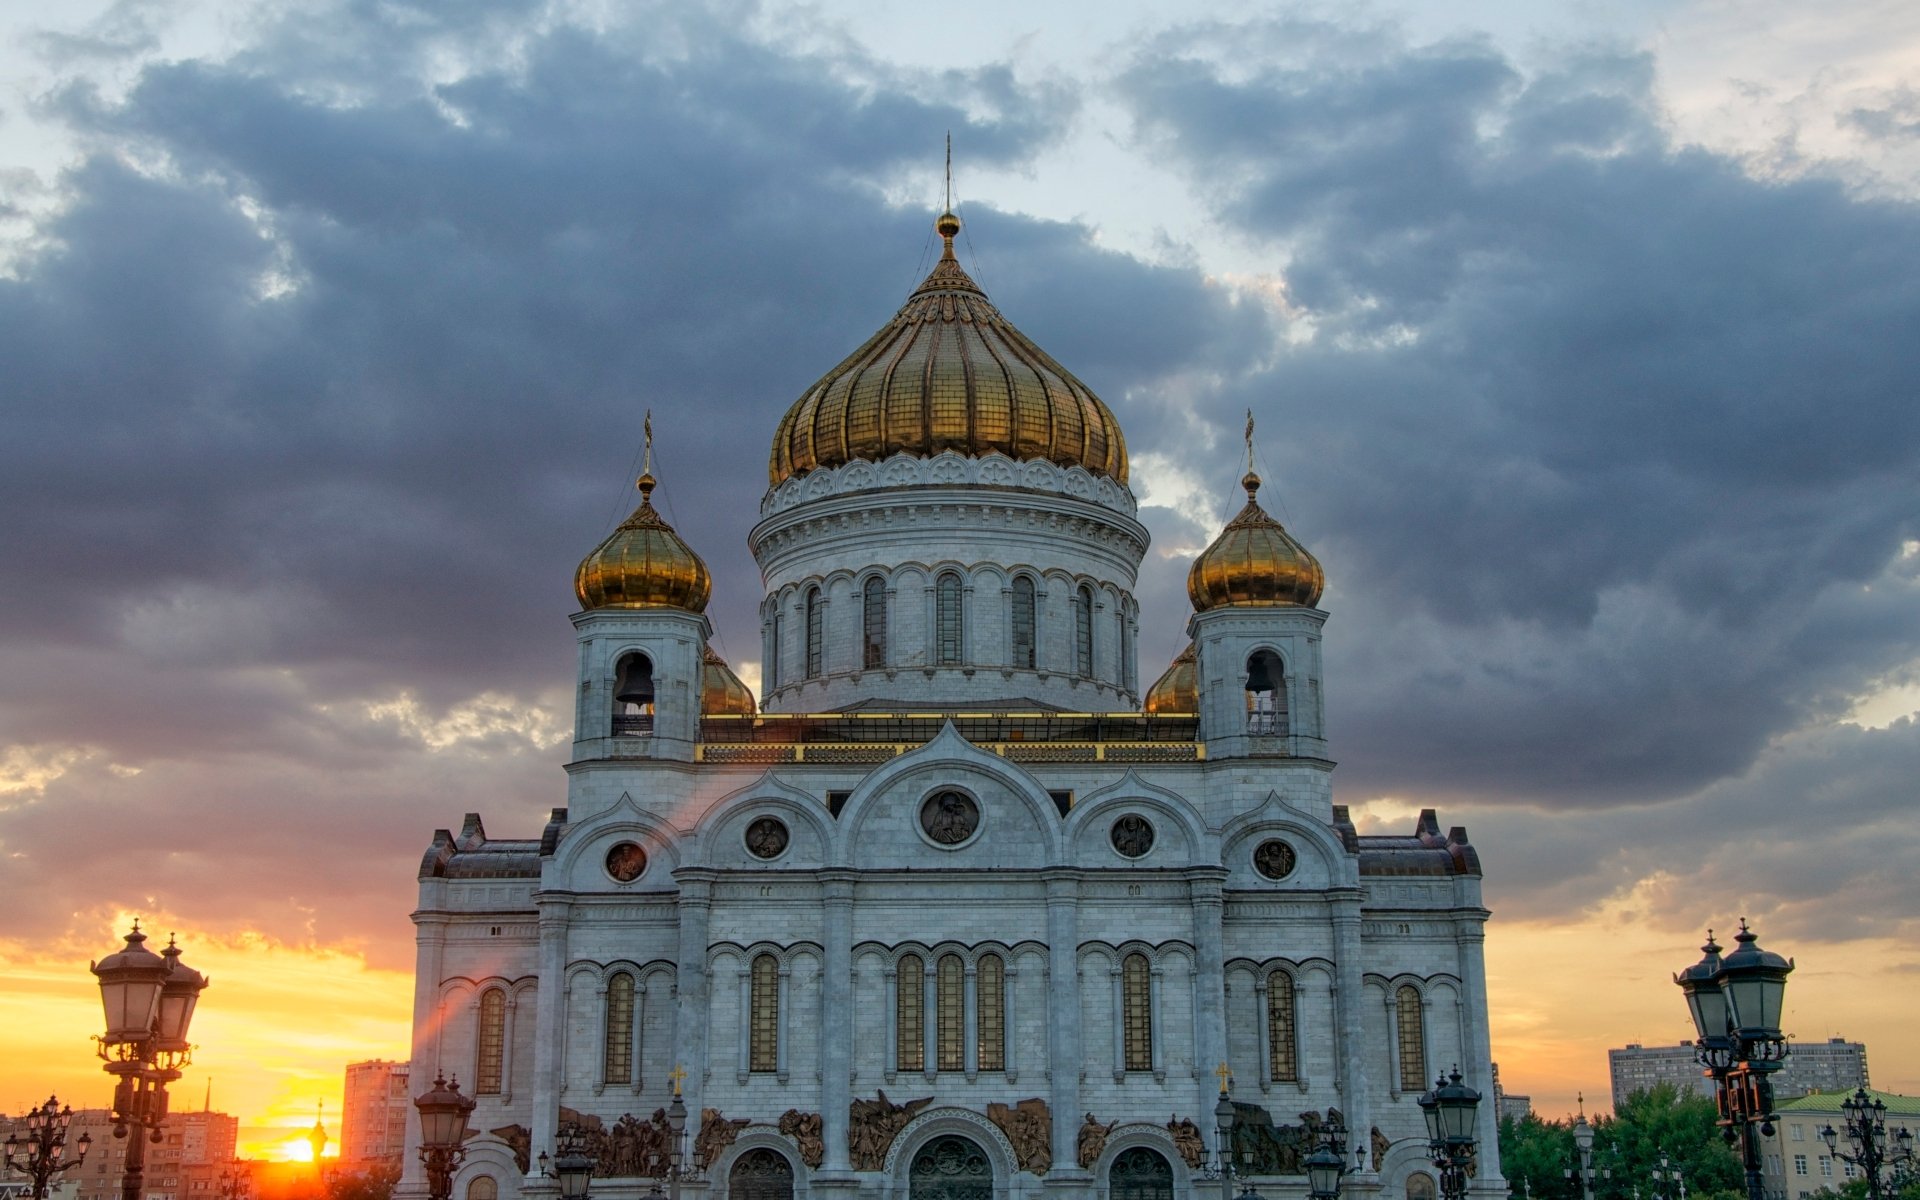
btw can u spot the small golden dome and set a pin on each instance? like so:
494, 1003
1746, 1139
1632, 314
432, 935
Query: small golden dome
1254, 561
1178, 688
948, 373
721, 692
643, 564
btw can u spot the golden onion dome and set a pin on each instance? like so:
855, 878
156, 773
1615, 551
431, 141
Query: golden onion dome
721, 692
948, 373
643, 564
1254, 561
1178, 688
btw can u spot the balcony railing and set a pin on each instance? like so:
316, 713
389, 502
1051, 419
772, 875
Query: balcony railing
919, 727
1267, 724
633, 724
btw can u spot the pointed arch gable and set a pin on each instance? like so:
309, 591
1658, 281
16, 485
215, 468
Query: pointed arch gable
575, 861
946, 751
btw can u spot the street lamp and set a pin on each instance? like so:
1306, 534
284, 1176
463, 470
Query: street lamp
149, 1001
1667, 1174
443, 1133
1736, 1004
1221, 1168
1583, 1142
571, 1165
235, 1182
1866, 1122
1449, 1109
44, 1154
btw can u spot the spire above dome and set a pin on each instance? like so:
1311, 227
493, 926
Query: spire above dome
948, 373
643, 563
1254, 561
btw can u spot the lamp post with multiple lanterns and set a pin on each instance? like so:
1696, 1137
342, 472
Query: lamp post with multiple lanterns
1327, 1163
1736, 1004
149, 1001
443, 1133
44, 1154
1583, 1143
1866, 1120
570, 1166
1669, 1181
1450, 1109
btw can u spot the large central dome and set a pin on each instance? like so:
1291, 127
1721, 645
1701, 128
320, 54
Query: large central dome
948, 373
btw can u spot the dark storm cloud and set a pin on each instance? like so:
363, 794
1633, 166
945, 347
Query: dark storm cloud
323, 379
1611, 449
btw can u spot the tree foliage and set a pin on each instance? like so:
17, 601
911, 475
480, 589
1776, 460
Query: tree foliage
1540, 1160
374, 1183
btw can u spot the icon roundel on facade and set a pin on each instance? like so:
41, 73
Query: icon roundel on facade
949, 818
1274, 859
626, 861
1131, 835
767, 837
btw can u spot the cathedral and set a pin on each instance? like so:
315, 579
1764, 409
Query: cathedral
955, 910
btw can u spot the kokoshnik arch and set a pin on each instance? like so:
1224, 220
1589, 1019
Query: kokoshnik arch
955, 911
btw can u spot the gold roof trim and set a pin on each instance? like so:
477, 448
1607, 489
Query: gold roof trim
1254, 562
643, 564
948, 373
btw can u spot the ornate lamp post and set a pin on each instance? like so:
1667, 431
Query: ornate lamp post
149, 1001
235, 1182
1327, 1164
1583, 1142
1866, 1122
44, 1154
1736, 1004
1449, 1109
1221, 1168
1669, 1181
571, 1166
443, 1133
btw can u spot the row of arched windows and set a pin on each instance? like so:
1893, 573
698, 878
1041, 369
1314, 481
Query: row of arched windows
936, 1001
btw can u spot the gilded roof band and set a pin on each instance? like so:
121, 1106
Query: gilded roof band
948, 373
1254, 561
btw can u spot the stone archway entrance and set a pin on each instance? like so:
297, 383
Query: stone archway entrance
760, 1174
1140, 1173
950, 1168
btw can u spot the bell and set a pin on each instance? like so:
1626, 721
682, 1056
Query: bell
1260, 674
634, 683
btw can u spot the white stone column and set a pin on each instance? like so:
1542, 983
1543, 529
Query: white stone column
691, 983
549, 1024
429, 949
837, 1033
1210, 992
970, 1022
1119, 990
1265, 1028
1063, 1022
1009, 1026
1350, 1062
1470, 935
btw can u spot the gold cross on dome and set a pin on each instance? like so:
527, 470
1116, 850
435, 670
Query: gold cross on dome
1226, 1078
677, 1074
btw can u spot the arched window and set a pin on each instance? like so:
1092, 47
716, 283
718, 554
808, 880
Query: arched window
1136, 1003
950, 1010
491, 1045
815, 613
947, 619
909, 1010
483, 1187
1412, 1038
773, 651
633, 695
1282, 1065
617, 1058
764, 1049
990, 1011
1140, 1173
1266, 694
873, 623
1023, 624
761, 1174
1420, 1186
1083, 631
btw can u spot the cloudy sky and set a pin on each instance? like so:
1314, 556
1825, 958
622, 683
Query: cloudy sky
1584, 341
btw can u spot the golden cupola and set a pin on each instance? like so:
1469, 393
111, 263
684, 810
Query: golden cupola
1178, 688
948, 373
643, 564
1254, 561
721, 692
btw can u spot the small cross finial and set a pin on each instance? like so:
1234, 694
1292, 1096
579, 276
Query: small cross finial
677, 1074
1225, 1074
1249, 440
646, 467
949, 207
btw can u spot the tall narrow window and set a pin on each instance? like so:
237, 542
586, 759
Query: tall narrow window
1266, 694
1022, 622
815, 613
1282, 1066
909, 1011
633, 695
990, 1015
950, 999
946, 619
492, 1042
873, 622
618, 1056
773, 652
764, 1052
1412, 1039
1136, 1000
1083, 631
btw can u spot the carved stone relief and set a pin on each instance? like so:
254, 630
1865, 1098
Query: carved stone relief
1028, 1125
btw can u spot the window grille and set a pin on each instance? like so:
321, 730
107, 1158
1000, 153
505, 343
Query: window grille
950, 1000
773, 652
1412, 1038
873, 619
1023, 624
910, 1042
990, 982
1083, 631
814, 614
1282, 1066
492, 1042
947, 619
764, 1050
1136, 992
618, 1058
